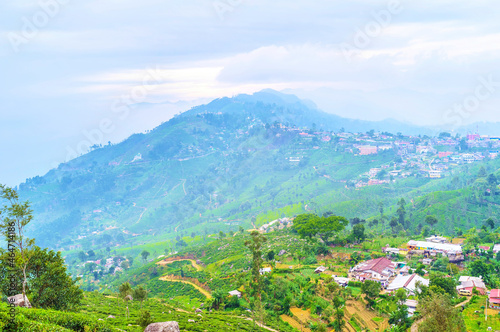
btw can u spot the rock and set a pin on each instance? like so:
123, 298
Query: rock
198, 310
111, 316
163, 327
18, 301
191, 321
100, 319
201, 305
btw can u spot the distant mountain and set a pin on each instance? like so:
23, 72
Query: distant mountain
234, 161
286, 108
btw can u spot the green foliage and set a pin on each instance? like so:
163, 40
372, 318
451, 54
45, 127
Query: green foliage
439, 315
309, 225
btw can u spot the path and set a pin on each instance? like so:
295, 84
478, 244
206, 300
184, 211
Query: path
201, 290
193, 262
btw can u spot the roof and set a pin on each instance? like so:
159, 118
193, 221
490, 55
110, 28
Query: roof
408, 282
484, 247
411, 303
473, 283
495, 293
496, 248
378, 265
436, 246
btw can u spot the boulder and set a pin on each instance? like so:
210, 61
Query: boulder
18, 301
198, 310
163, 327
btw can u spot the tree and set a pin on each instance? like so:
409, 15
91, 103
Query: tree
82, 256
371, 289
358, 232
479, 268
15, 217
393, 223
309, 225
145, 255
140, 294
48, 285
221, 235
401, 212
338, 314
439, 315
125, 293
270, 255
448, 285
431, 220
144, 319
255, 246
490, 222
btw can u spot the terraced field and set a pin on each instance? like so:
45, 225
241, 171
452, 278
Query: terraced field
294, 323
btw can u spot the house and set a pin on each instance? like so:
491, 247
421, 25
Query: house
412, 306
365, 150
427, 261
494, 299
235, 293
469, 283
380, 269
496, 248
265, 270
320, 269
341, 281
409, 283
445, 248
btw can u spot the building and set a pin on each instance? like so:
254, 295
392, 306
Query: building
320, 269
408, 282
365, 150
380, 269
496, 248
432, 246
469, 283
494, 299
412, 306
341, 281
265, 270
444, 154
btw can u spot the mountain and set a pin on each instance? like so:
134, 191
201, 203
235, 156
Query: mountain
233, 162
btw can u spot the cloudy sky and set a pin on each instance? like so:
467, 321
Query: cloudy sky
73, 71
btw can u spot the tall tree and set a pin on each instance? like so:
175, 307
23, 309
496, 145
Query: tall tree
140, 294
15, 217
439, 315
431, 220
126, 294
145, 255
255, 246
371, 289
401, 212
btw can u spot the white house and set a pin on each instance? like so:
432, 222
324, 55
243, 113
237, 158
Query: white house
235, 293
409, 283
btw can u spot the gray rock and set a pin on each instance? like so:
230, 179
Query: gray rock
198, 310
163, 327
18, 301
111, 316
191, 321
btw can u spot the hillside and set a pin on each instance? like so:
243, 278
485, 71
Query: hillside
234, 162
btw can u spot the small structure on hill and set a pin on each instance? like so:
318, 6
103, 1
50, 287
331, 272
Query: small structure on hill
320, 269
409, 283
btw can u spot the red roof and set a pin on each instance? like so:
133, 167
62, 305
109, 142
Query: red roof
495, 294
484, 248
378, 265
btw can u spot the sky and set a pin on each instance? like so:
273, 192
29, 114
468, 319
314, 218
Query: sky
75, 73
